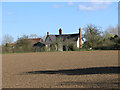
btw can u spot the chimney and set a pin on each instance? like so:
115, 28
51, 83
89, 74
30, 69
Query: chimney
80, 38
60, 31
47, 33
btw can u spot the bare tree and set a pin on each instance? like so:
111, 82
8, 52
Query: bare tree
7, 39
112, 30
92, 35
33, 36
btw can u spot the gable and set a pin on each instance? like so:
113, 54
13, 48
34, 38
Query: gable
50, 39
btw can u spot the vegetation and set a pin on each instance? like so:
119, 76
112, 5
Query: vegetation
94, 39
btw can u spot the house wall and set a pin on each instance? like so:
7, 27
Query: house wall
78, 42
60, 47
48, 40
47, 47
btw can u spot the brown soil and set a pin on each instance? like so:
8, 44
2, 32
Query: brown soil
84, 69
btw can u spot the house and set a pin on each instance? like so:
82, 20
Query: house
32, 41
35, 40
60, 41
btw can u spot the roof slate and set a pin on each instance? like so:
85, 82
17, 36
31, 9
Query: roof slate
53, 38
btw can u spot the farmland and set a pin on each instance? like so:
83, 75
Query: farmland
84, 69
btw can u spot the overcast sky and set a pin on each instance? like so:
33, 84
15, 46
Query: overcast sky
40, 17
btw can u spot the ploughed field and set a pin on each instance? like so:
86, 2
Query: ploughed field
84, 69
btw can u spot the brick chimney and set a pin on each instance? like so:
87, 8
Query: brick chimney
60, 31
80, 38
47, 33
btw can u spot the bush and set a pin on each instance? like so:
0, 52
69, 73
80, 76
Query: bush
52, 47
72, 47
24, 45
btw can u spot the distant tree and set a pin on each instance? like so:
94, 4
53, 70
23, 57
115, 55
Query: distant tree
23, 44
111, 39
33, 36
24, 37
7, 39
111, 31
92, 36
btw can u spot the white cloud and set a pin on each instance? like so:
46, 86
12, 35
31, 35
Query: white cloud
89, 6
94, 6
83, 7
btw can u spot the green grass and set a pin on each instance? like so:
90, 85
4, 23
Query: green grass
54, 51
15, 52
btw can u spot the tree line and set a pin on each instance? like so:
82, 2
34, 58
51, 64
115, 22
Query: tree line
94, 39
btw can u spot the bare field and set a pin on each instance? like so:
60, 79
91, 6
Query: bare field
84, 69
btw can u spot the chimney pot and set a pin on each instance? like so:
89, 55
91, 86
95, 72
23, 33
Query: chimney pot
79, 30
60, 31
47, 33
80, 38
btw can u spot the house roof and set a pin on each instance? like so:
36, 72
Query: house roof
35, 40
53, 38
69, 36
